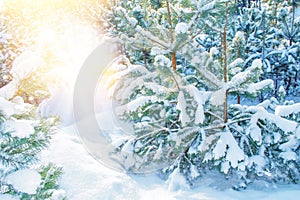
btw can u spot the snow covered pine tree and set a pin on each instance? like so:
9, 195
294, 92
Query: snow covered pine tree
22, 136
174, 85
150, 92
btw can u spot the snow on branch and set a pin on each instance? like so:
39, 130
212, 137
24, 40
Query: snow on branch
201, 8
244, 76
254, 130
134, 104
286, 110
253, 88
227, 147
184, 136
181, 106
151, 37
210, 77
146, 34
237, 62
199, 98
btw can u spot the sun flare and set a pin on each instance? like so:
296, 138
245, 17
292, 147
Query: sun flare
56, 33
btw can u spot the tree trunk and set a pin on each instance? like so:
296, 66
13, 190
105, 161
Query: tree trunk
145, 58
293, 21
276, 81
225, 111
173, 53
289, 83
226, 107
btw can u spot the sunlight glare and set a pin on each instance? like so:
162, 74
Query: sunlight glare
60, 38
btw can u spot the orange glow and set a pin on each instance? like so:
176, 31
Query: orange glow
56, 31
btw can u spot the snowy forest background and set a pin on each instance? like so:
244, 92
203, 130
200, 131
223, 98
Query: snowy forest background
207, 87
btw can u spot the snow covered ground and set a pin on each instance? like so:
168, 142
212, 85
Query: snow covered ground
86, 178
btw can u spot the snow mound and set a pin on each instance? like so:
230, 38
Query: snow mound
181, 28
19, 128
6, 107
25, 180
